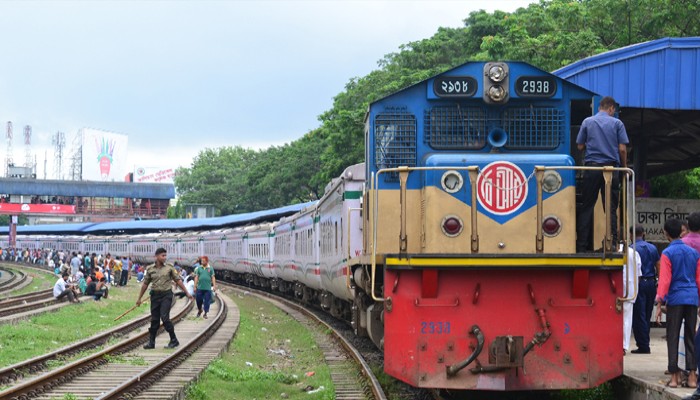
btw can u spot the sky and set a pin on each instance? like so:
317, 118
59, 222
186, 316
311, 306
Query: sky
178, 77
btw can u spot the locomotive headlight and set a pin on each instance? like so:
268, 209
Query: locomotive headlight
452, 225
497, 93
551, 226
497, 73
552, 181
495, 82
452, 181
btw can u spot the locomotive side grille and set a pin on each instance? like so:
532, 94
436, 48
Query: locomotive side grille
455, 127
533, 128
395, 141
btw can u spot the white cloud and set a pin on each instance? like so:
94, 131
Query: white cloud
178, 77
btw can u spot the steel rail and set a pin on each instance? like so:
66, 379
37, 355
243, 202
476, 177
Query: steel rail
16, 279
35, 305
366, 371
27, 297
37, 386
39, 363
142, 380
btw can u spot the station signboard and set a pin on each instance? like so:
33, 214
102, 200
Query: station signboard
154, 175
652, 213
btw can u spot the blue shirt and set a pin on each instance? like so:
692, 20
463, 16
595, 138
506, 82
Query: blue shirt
602, 135
649, 255
683, 289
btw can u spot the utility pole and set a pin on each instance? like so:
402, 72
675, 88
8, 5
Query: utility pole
28, 164
59, 142
8, 156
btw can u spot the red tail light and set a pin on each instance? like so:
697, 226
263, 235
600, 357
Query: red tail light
452, 225
551, 226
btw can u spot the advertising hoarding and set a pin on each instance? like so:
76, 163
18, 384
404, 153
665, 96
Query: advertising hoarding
104, 155
17, 208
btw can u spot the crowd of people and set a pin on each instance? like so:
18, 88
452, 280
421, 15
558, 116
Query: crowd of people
93, 274
677, 294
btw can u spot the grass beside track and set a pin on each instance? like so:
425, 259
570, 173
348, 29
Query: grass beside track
40, 280
271, 357
51, 331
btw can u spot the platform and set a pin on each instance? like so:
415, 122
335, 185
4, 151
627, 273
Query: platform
645, 372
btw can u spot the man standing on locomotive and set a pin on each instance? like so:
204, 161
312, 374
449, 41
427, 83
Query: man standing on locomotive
161, 274
604, 139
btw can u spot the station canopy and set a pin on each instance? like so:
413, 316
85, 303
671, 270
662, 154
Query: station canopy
127, 190
657, 85
161, 225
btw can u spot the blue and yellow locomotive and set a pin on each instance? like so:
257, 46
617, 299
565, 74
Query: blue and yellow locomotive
471, 235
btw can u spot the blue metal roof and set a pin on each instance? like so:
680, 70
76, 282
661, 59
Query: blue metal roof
38, 187
660, 74
158, 225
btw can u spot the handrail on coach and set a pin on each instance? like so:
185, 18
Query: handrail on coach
348, 273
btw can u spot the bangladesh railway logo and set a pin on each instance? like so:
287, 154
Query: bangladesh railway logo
501, 188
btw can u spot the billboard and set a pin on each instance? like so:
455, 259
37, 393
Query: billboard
104, 155
154, 175
18, 208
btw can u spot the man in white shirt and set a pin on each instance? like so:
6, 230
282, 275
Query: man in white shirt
61, 290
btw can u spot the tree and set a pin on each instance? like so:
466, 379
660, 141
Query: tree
217, 177
678, 185
549, 34
21, 220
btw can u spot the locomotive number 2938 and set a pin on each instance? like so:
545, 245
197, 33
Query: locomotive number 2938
535, 86
434, 327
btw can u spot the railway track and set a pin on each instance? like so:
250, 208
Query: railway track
26, 302
124, 370
25, 298
15, 279
351, 375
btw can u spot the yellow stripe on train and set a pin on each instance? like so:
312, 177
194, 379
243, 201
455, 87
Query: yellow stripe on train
501, 262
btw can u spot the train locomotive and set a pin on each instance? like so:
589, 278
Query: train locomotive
452, 247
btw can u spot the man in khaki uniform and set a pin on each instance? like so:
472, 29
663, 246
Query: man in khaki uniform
161, 275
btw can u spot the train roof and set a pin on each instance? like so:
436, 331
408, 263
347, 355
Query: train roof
461, 68
159, 225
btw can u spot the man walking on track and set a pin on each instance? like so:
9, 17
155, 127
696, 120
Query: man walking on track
161, 275
204, 283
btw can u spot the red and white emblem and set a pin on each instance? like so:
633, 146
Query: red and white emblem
501, 188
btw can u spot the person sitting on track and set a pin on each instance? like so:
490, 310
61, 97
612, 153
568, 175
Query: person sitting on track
62, 289
97, 289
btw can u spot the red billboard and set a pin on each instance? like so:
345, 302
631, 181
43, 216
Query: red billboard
17, 208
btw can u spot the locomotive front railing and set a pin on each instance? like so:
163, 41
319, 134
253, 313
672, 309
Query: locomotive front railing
403, 237
627, 201
473, 171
